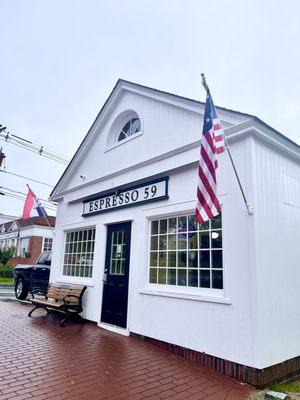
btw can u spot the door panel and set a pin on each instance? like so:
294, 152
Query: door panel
41, 271
116, 275
40, 276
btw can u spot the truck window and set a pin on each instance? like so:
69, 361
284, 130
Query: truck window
43, 257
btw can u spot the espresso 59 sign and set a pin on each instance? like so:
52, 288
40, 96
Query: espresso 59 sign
135, 195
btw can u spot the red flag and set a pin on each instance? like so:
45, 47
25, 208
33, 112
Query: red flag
32, 206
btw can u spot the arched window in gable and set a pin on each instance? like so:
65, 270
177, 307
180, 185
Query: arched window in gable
130, 128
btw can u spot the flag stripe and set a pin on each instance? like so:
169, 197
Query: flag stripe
212, 143
208, 176
209, 163
205, 184
204, 204
219, 138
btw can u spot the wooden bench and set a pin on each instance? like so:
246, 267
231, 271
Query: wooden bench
63, 298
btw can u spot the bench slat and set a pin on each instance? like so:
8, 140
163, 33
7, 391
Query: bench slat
58, 291
66, 286
54, 300
48, 303
60, 298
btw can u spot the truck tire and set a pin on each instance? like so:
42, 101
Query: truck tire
20, 289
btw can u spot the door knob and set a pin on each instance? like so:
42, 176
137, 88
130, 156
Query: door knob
105, 276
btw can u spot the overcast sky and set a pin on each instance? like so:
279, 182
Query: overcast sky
60, 59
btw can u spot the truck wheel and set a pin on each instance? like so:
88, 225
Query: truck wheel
20, 289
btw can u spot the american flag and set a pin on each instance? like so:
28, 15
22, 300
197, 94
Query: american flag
207, 205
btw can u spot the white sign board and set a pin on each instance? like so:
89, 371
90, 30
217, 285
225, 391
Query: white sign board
135, 195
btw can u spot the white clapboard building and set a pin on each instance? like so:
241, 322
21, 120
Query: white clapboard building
224, 294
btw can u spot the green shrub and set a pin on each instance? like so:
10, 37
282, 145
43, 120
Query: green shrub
6, 254
7, 271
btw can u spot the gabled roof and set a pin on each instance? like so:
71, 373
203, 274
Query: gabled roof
7, 216
13, 226
24, 223
124, 83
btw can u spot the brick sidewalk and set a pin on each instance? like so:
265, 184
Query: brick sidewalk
39, 360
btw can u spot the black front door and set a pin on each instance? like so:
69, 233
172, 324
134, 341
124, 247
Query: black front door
116, 275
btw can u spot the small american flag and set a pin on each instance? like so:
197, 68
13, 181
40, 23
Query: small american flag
212, 144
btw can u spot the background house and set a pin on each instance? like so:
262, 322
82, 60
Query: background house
30, 237
7, 218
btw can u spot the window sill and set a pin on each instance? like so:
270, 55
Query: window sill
132, 137
185, 295
75, 281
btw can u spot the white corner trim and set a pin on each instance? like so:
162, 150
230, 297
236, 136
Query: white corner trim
186, 296
114, 328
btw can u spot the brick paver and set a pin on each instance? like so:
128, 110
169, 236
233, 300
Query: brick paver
40, 361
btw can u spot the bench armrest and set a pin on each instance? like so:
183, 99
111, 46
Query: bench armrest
71, 295
38, 290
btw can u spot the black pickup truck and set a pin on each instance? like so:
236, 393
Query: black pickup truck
29, 277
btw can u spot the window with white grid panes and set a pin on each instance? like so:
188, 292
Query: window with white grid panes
47, 244
185, 253
79, 253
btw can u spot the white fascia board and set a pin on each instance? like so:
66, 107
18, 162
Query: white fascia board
195, 106
238, 132
265, 133
233, 132
9, 235
227, 117
34, 229
274, 140
100, 119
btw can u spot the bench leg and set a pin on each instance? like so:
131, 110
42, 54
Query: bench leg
62, 322
30, 312
80, 319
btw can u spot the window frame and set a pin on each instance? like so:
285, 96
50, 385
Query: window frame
19, 248
74, 278
47, 238
116, 127
129, 121
12, 242
184, 292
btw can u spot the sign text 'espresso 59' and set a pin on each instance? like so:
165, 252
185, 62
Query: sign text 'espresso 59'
135, 195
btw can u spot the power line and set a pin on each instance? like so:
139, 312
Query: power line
3, 193
17, 193
25, 177
28, 145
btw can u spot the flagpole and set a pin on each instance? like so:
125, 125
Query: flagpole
248, 207
49, 226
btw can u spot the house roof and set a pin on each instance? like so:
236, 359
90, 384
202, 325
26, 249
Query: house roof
7, 215
122, 82
24, 223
